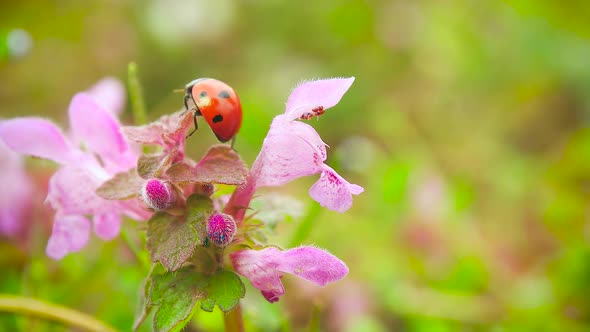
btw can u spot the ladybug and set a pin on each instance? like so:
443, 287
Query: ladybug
218, 103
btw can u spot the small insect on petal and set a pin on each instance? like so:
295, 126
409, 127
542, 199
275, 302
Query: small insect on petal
221, 229
314, 112
158, 194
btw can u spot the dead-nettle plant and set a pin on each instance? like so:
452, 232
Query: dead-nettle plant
199, 242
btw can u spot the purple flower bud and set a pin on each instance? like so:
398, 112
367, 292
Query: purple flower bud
221, 229
158, 194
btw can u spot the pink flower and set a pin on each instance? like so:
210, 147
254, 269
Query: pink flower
265, 268
15, 192
293, 149
110, 93
95, 152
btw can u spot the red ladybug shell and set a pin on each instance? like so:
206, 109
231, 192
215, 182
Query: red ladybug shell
219, 104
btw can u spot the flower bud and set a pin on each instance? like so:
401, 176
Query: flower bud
158, 194
221, 229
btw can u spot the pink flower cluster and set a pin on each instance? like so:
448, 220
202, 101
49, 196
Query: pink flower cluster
96, 153
293, 149
91, 153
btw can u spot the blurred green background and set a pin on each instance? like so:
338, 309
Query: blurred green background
467, 125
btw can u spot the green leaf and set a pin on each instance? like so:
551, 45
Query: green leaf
168, 131
143, 308
203, 260
174, 295
171, 239
220, 165
224, 289
144, 305
198, 209
181, 173
176, 125
123, 185
150, 166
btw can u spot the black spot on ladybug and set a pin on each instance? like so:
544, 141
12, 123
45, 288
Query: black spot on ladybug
223, 94
203, 94
217, 118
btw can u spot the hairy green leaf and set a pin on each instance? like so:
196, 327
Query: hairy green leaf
123, 185
174, 295
224, 289
144, 305
171, 239
149, 166
220, 165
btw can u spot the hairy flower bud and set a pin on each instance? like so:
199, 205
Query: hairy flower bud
158, 194
221, 229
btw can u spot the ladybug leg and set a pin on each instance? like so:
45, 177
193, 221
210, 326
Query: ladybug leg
186, 109
186, 98
233, 141
197, 113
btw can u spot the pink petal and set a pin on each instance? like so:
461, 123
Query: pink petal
110, 94
314, 94
10, 222
310, 135
286, 155
107, 225
9, 159
259, 266
15, 191
334, 192
272, 296
313, 264
135, 209
99, 130
70, 234
264, 268
72, 191
15, 201
36, 137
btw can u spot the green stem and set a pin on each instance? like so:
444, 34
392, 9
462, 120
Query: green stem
233, 320
314, 323
136, 95
306, 225
45, 310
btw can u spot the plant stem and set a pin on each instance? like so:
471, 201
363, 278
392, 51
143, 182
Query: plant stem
233, 320
45, 310
136, 95
314, 323
240, 200
236, 207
